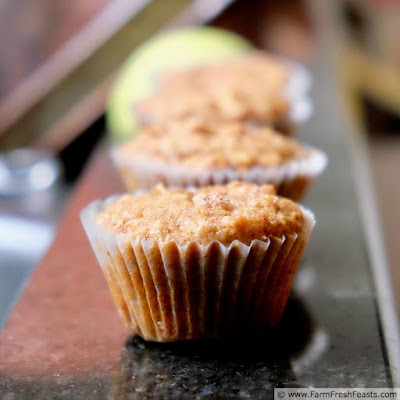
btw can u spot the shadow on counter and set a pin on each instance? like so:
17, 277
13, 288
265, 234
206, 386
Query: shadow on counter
248, 367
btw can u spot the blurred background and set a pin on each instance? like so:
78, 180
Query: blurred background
58, 60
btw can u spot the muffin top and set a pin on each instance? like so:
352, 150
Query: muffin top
248, 89
242, 211
200, 145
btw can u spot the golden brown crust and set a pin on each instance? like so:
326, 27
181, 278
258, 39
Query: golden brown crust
248, 89
237, 211
199, 144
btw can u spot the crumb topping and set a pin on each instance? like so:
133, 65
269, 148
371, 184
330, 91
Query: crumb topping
197, 144
248, 89
242, 211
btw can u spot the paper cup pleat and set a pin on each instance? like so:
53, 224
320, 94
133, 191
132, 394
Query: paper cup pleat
270, 256
133, 282
247, 280
164, 320
174, 269
286, 281
272, 290
114, 269
147, 289
170, 292
119, 298
291, 179
193, 265
213, 258
235, 263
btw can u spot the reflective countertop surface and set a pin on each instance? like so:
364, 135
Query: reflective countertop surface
64, 339
32, 198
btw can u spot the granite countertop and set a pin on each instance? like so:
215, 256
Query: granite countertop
241, 368
64, 339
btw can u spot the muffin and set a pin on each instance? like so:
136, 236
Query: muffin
257, 88
196, 152
200, 263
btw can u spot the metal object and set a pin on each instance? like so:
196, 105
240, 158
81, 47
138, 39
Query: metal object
23, 171
23, 243
75, 76
69, 91
31, 200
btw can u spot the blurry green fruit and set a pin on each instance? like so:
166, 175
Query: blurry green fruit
172, 50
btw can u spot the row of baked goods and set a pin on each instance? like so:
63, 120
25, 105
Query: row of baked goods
208, 240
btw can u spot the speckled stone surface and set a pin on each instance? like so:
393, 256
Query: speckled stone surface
241, 368
64, 339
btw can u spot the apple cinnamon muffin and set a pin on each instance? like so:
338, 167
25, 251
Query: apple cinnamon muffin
256, 88
196, 152
200, 263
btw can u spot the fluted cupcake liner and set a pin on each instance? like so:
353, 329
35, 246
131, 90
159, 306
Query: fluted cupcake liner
291, 179
170, 292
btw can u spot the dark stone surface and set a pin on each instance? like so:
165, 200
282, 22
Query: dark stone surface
242, 368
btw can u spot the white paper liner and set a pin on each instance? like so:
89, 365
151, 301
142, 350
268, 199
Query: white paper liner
296, 91
171, 292
300, 78
290, 179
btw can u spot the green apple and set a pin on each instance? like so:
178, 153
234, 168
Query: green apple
164, 52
